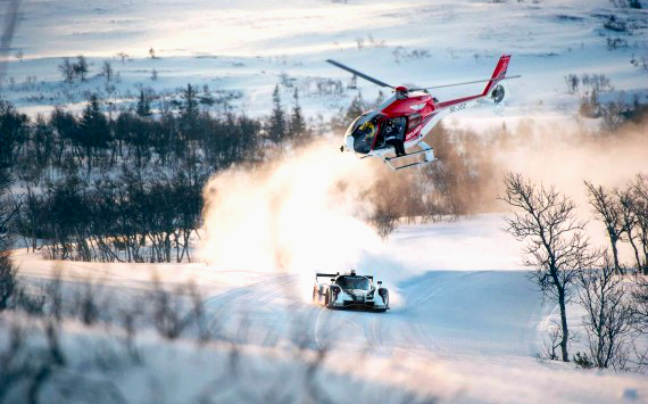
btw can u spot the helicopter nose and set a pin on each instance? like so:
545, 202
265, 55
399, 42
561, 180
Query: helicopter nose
349, 142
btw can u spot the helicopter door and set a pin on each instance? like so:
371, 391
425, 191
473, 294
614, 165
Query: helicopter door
413, 121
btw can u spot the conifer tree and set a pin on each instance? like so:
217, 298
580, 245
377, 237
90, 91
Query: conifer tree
297, 124
143, 105
277, 124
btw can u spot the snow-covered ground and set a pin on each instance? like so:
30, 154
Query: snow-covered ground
464, 335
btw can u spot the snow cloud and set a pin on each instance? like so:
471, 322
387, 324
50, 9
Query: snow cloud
307, 211
566, 158
301, 214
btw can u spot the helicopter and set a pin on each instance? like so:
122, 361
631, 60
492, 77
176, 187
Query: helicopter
402, 121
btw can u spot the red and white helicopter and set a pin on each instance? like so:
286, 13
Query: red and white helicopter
403, 120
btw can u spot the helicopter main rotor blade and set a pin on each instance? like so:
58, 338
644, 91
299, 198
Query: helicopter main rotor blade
10, 25
359, 74
462, 84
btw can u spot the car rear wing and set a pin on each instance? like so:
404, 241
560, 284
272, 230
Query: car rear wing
323, 275
329, 276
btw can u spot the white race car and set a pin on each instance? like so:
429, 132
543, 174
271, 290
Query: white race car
350, 290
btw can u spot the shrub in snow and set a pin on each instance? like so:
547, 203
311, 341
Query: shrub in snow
583, 361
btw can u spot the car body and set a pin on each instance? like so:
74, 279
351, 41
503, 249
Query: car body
350, 290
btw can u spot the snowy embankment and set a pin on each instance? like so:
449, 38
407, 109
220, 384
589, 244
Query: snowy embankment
468, 335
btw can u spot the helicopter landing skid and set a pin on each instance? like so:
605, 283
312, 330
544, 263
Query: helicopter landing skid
426, 151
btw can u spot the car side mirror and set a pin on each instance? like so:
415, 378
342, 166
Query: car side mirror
379, 283
332, 279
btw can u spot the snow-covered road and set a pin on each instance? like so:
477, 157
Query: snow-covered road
467, 335
476, 333
446, 313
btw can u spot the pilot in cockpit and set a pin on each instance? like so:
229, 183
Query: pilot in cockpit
393, 132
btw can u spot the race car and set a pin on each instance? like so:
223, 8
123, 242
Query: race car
350, 290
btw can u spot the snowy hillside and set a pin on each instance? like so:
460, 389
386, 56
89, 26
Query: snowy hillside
241, 55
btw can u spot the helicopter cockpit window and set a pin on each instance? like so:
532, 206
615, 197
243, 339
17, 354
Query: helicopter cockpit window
364, 131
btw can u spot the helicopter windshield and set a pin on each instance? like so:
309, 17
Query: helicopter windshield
363, 131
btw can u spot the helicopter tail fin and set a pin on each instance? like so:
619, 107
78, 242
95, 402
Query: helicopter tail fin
498, 74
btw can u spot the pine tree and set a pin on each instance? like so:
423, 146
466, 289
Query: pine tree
277, 125
297, 124
143, 105
94, 125
190, 108
190, 112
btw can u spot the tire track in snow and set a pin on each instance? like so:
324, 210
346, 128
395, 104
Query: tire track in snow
373, 330
249, 302
419, 334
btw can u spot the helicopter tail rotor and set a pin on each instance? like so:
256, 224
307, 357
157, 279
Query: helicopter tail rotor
499, 94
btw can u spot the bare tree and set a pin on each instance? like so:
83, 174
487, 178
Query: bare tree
8, 273
170, 314
640, 305
86, 302
123, 56
385, 219
199, 312
389, 200
555, 242
608, 211
8, 281
67, 70
107, 71
608, 317
626, 3
551, 342
640, 190
129, 321
81, 67
572, 81
627, 203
